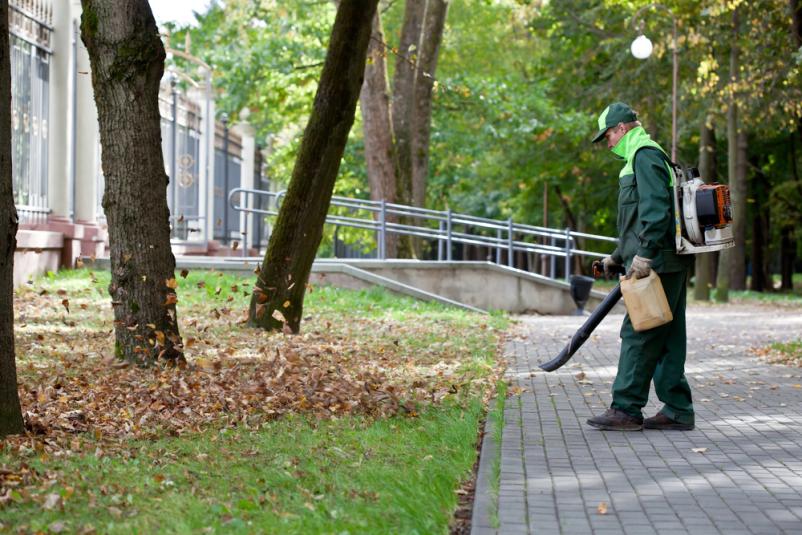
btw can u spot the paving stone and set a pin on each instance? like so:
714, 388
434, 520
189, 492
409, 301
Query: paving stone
556, 471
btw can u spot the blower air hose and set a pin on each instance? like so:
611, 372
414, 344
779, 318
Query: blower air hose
584, 332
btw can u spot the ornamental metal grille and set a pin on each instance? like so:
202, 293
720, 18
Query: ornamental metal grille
30, 36
181, 146
227, 174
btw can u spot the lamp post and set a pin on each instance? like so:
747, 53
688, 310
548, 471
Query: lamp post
641, 48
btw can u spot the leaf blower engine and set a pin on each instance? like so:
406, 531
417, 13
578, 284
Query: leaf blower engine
703, 213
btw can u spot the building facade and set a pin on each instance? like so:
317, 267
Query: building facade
57, 156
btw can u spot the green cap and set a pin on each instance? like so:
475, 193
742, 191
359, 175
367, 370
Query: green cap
615, 113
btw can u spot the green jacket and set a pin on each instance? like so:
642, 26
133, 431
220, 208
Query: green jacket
646, 204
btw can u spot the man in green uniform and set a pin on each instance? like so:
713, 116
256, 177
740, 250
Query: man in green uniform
646, 242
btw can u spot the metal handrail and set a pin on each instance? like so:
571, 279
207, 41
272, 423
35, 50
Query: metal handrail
561, 243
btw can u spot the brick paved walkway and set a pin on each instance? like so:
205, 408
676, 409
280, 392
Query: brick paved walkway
556, 472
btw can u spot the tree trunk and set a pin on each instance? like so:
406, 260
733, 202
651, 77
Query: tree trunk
738, 191
761, 279
707, 168
400, 137
127, 59
374, 101
570, 219
728, 257
279, 290
10, 412
787, 240
787, 258
403, 108
433, 25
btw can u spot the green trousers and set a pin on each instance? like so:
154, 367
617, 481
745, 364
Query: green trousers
657, 354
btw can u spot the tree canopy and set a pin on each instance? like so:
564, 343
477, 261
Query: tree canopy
519, 85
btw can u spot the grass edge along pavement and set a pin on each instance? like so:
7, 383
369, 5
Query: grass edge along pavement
497, 421
294, 474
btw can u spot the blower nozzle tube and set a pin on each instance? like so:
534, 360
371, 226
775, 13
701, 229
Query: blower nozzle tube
584, 331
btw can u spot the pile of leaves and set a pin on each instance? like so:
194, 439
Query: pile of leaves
376, 365
788, 353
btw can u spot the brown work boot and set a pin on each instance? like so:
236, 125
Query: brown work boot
615, 420
661, 421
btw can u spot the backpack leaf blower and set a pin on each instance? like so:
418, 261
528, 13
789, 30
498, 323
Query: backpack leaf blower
702, 213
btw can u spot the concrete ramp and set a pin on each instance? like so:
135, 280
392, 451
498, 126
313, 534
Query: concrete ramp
347, 276
483, 285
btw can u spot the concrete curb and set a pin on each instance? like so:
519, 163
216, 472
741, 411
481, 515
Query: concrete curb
483, 501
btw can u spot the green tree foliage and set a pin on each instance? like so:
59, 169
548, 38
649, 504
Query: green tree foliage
267, 56
500, 136
519, 86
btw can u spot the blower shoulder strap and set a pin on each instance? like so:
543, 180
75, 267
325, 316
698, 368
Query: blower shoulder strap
672, 167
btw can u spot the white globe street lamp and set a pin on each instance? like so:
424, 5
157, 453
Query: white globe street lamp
641, 48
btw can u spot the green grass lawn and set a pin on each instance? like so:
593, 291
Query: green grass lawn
293, 471
351, 475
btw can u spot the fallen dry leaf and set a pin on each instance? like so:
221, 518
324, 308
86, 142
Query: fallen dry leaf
83, 401
602, 508
52, 501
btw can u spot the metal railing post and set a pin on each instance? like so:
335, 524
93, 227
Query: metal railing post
553, 260
448, 235
244, 235
498, 246
510, 246
383, 231
567, 253
440, 225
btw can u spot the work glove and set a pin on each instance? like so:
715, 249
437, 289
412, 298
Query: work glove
640, 267
609, 266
